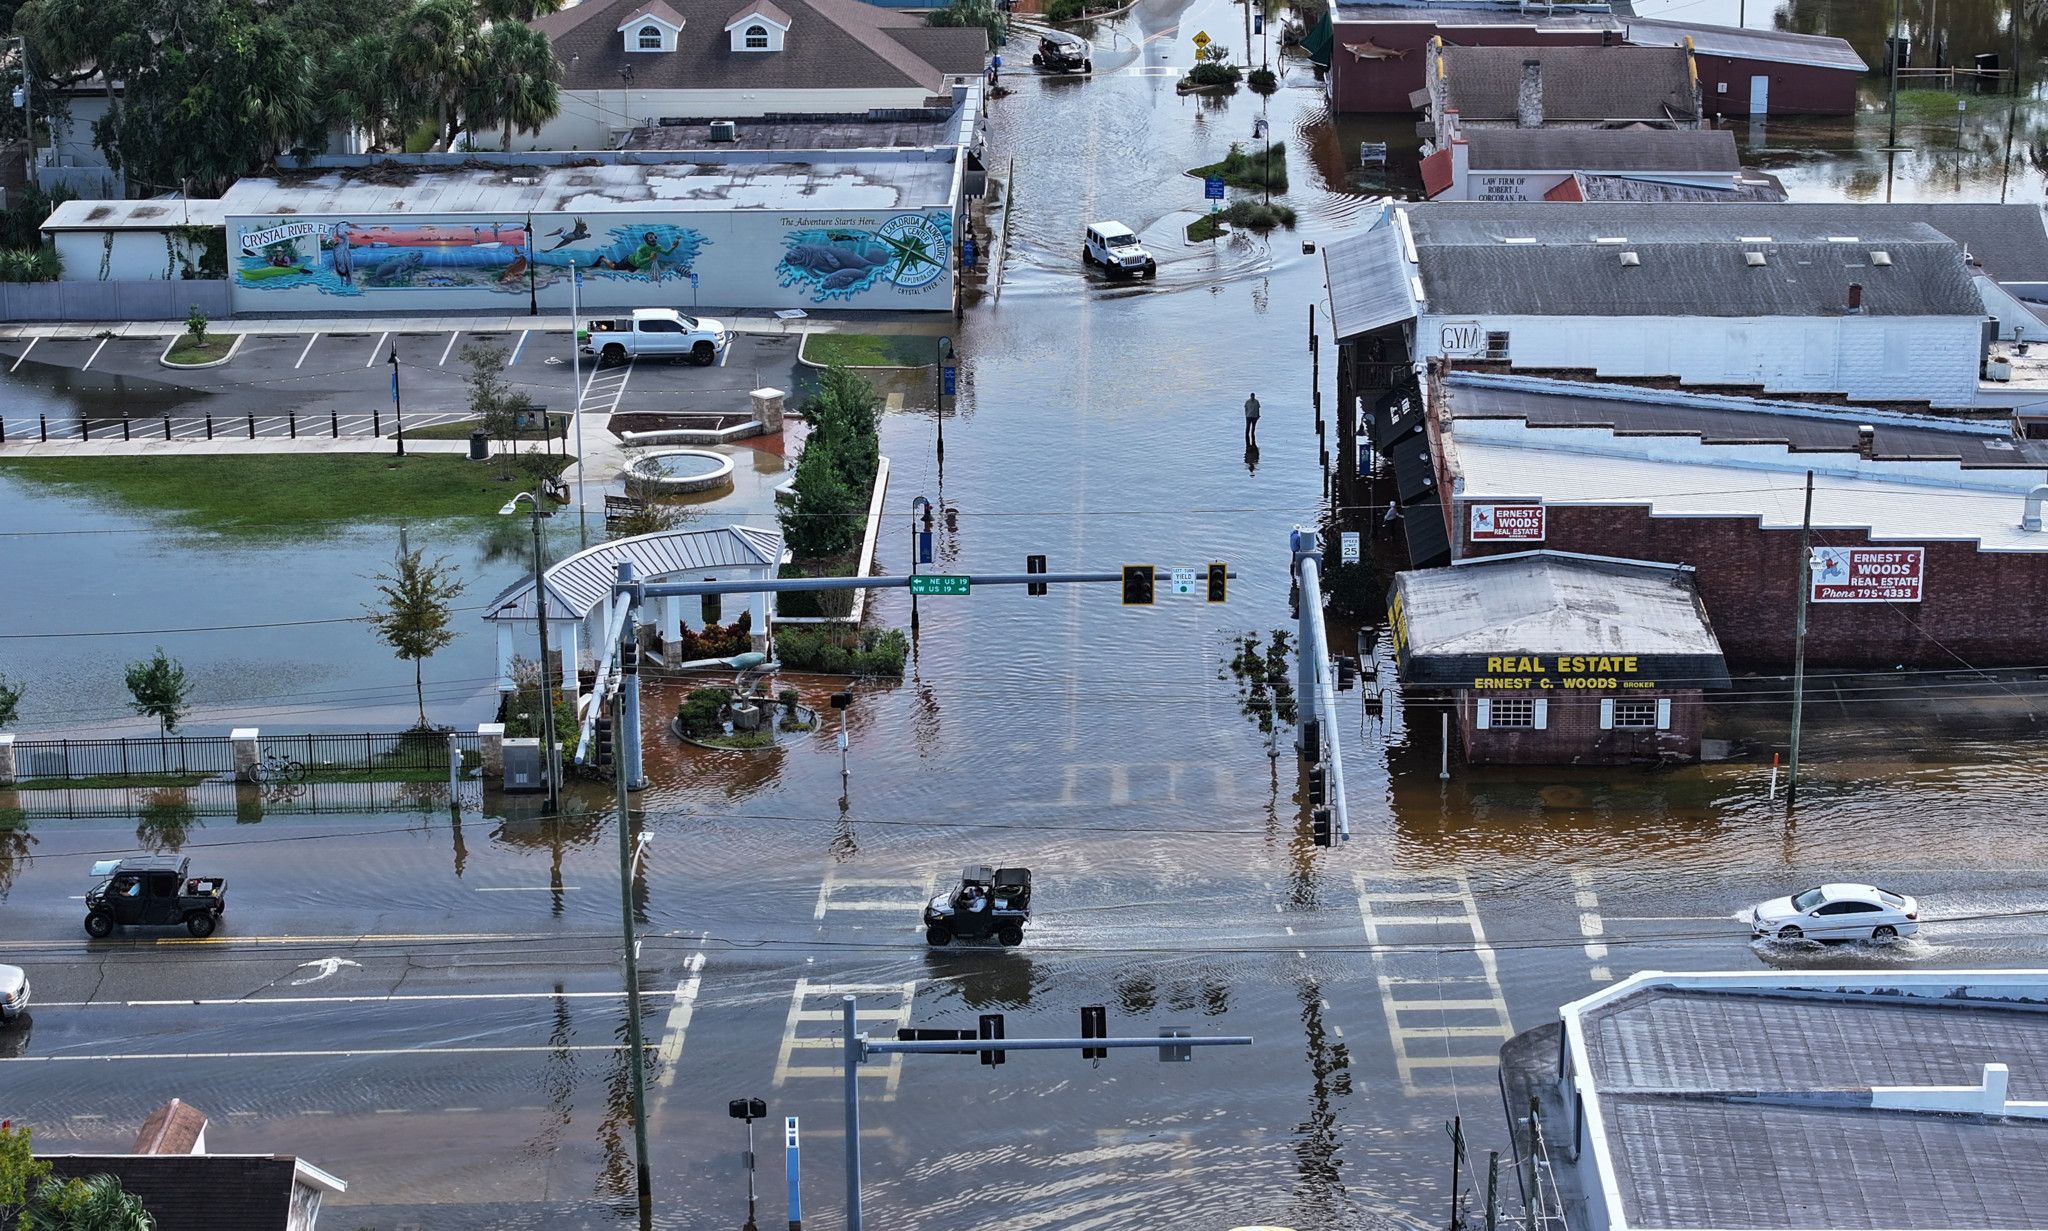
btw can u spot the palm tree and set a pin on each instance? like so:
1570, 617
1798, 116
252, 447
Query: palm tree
434, 55
515, 84
96, 1204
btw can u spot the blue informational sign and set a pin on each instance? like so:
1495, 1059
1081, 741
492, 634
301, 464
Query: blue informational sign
394, 384
951, 375
924, 547
967, 252
1364, 458
693, 277
1258, 23
1212, 188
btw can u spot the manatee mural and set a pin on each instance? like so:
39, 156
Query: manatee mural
350, 258
908, 251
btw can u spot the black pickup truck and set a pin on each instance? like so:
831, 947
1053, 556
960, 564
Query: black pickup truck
154, 892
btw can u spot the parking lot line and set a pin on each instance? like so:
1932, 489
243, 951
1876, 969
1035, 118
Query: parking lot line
448, 348
378, 349
518, 346
95, 354
25, 350
308, 349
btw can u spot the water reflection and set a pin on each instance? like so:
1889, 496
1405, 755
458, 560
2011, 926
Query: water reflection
165, 820
986, 979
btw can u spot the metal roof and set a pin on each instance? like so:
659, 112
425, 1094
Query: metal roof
1551, 602
578, 584
1776, 46
1455, 13
158, 215
1602, 149
1370, 278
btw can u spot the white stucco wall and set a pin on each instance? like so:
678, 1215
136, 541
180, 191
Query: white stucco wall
596, 119
1891, 358
135, 256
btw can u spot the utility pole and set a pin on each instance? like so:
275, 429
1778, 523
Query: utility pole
576, 377
550, 762
1799, 642
628, 856
397, 408
1891, 144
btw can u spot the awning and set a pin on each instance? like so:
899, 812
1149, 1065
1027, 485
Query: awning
1429, 544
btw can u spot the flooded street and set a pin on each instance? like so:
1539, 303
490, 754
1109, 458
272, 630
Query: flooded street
463, 1070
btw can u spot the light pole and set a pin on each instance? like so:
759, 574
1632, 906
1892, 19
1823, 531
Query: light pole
547, 683
397, 408
945, 357
920, 547
532, 288
629, 859
576, 378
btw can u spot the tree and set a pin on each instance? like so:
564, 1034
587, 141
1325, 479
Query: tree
159, 687
21, 1172
435, 52
824, 518
845, 414
10, 710
415, 614
496, 405
515, 83
981, 13
96, 1204
649, 514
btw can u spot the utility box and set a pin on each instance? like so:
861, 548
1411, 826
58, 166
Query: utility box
523, 766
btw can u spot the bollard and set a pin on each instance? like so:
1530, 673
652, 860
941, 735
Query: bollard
43, 422
252, 427
334, 424
209, 425
167, 427
85, 429
377, 421
1443, 773
124, 427
292, 422
3, 430
454, 772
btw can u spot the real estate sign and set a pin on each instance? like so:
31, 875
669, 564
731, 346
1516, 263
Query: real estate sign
1868, 574
1507, 523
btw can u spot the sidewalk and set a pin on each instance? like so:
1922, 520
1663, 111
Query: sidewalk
159, 447
932, 324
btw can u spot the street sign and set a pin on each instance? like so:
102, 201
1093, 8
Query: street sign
937, 583
1212, 188
924, 547
951, 378
693, 277
1202, 39
1258, 23
1183, 581
1349, 540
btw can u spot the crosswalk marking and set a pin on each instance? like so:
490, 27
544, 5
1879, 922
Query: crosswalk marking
885, 1008
1408, 963
1091, 783
1591, 926
876, 893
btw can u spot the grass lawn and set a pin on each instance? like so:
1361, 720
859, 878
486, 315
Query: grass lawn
216, 346
558, 426
280, 492
113, 781
871, 350
1207, 227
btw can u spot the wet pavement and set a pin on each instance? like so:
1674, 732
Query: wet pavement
465, 1071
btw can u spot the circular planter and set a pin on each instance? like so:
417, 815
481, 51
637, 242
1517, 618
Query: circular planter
682, 470
770, 713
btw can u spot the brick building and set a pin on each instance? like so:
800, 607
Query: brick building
1377, 50
1553, 658
1754, 73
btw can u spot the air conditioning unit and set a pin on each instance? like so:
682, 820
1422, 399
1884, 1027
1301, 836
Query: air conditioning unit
724, 130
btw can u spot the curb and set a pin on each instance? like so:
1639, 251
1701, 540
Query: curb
861, 367
165, 358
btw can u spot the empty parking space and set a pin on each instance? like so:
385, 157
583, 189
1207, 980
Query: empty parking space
669, 385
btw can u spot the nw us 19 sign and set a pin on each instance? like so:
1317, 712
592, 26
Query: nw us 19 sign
1868, 574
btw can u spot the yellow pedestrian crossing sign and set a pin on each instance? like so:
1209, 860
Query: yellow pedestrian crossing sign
1201, 39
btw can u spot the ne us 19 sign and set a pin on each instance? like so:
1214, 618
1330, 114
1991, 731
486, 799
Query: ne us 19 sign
1868, 574
1507, 523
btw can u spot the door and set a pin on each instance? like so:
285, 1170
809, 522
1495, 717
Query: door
160, 900
1840, 921
1759, 97
124, 899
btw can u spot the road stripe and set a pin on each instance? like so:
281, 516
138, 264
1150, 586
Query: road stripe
1591, 926
317, 1055
446, 349
679, 1020
95, 353
518, 346
391, 998
24, 352
306, 350
378, 349
1397, 971
526, 888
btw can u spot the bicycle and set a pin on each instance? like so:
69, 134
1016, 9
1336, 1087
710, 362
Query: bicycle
277, 767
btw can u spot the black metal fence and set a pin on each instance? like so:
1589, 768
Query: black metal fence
368, 753
291, 425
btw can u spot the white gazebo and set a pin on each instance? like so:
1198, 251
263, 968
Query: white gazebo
579, 590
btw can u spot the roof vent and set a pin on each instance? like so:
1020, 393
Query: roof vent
1880, 258
724, 130
1518, 239
1842, 239
1753, 258
526, 181
1611, 239
1630, 260
1753, 239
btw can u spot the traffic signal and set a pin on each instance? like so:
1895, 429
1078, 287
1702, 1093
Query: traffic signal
840, 700
601, 739
1138, 580
991, 1028
1311, 740
1035, 564
1094, 1025
1219, 583
1318, 784
746, 1109
1319, 825
1347, 674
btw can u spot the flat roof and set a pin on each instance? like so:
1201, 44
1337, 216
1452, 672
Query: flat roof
1444, 13
735, 180
1784, 1100
1677, 476
157, 215
1372, 280
1737, 43
821, 132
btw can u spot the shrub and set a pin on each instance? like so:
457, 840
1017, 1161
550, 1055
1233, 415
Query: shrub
837, 651
981, 13
697, 714
1065, 10
1265, 167
717, 641
30, 265
1257, 215
1263, 81
1211, 73
195, 326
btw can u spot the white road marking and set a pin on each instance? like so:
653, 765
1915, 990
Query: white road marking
24, 352
525, 888
377, 350
800, 1016
308, 350
392, 998
1591, 926
1420, 1048
95, 353
518, 346
678, 1023
326, 968
832, 894
1077, 788
351, 1053
450, 347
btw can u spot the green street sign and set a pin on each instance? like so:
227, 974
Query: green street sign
937, 583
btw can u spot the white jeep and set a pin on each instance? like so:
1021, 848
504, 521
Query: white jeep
1113, 246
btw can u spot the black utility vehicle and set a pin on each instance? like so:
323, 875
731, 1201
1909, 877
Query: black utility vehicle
986, 905
154, 892
1060, 52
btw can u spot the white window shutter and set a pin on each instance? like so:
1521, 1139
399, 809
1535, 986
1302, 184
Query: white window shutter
1542, 714
1607, 714
1484, 721
1663, 713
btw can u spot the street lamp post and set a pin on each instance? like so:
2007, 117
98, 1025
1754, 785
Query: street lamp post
576, 379
397, 408
547, 683
532, 289
920, 547
945, 357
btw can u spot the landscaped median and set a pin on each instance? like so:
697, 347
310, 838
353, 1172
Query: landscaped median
868, 350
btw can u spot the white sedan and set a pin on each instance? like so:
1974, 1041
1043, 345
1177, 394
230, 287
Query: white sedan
1837, 912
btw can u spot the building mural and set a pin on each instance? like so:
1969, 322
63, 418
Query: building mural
908, 251
342, 257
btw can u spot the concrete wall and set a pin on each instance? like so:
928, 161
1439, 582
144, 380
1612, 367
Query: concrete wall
1795, 89
126, 256
596, 119
1382, 86
112, 301
1884, 358
839, 259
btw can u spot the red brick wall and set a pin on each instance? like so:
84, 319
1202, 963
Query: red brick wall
1573, 736
1383, 86
1989, 608
1796, 89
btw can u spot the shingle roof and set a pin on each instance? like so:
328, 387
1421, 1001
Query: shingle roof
832, 44
759, 8
1580, 84
1602, 149
173, 1128
1774, 46
656, 9
197, 1192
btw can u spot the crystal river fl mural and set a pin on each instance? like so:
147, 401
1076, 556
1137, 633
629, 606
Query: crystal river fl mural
352, 258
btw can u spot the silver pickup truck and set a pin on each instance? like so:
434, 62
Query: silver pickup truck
651, 332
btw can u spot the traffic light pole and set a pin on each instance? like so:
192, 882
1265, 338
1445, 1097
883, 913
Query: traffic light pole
1317, 685
857, 1049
